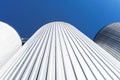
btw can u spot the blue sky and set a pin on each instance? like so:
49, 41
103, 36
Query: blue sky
89, 16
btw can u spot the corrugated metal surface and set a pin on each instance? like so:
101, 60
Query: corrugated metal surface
109, 39
58, 51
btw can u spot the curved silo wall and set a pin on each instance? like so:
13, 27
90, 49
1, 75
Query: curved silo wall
109, 39
58, 51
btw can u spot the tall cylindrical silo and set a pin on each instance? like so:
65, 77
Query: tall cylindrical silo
109, 39
58, 51
10, 43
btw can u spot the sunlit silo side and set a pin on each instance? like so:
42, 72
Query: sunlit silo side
109, 39
10, 43
58, 51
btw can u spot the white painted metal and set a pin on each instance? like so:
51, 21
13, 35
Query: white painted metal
10, 42
58, 51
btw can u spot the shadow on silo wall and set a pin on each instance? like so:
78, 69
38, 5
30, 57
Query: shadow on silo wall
109, 39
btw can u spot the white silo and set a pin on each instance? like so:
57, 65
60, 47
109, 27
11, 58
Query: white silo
58, 51
10, 43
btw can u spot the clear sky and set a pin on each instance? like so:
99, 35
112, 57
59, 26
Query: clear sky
89, 16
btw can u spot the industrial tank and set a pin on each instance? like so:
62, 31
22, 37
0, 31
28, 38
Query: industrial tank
10, 43
59, 51
109, 39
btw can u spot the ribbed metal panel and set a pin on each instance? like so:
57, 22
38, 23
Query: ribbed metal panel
109, 39
58, 51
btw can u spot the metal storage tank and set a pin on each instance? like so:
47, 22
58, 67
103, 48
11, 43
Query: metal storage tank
58, 51
10, 43
109, 39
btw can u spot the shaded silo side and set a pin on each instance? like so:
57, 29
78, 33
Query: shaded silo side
58, 51
10, 43
109, 39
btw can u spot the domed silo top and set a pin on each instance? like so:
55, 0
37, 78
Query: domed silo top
10, 42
